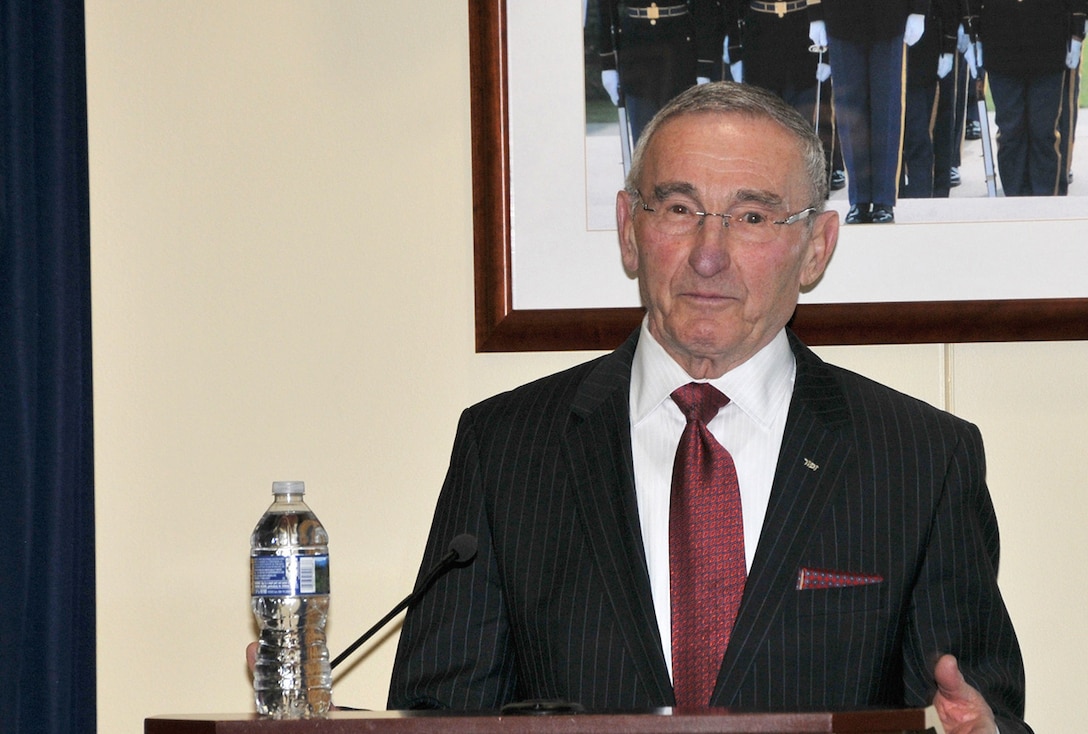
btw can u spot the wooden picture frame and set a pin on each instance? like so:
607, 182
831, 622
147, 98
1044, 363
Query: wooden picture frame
500, 327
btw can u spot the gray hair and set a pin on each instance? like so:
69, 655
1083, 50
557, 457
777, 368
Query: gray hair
743, 99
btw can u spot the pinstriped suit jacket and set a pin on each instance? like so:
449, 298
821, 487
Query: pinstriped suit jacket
557, 603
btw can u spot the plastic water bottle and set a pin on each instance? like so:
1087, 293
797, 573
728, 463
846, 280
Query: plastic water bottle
289, 568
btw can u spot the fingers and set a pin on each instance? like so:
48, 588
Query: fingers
948, 675
961, 707
251, 656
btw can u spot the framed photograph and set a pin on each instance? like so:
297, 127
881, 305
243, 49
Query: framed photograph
548, 276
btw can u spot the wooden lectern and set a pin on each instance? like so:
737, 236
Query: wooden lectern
661, 721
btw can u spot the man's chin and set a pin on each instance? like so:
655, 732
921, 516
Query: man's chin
711, 342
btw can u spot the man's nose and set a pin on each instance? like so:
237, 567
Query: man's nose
710, 251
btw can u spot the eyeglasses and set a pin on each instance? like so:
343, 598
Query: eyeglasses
678, 217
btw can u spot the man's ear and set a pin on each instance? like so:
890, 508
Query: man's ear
625, 226
819, 247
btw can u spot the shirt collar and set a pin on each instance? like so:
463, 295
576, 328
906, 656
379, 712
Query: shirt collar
758, 387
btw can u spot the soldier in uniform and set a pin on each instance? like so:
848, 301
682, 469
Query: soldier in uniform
865, 41
778, 55
1027, 48
652, 51
927, 126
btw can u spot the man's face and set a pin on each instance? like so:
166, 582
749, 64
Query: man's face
714, 298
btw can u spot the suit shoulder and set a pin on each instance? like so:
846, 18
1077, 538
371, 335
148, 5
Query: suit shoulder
841, 395
867, 396
559, 392
556, 384
577, 388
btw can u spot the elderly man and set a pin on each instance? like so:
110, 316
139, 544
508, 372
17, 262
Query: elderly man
813, 540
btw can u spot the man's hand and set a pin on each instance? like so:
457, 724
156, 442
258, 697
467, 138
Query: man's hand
973, 56
962, 40
610, 80
962, 709
1072, 55
944, 65
916, 27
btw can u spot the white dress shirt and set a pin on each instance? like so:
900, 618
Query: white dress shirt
750, 427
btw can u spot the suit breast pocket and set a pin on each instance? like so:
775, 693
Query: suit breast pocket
843, 601
841, 641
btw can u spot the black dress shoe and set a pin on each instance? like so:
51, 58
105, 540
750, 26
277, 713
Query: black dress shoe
838, 180
973, 131
859, 214
882, 214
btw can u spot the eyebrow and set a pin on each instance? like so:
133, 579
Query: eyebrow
743, 196
663, 191
759, 196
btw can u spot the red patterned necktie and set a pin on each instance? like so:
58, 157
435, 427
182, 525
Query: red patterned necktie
706, 548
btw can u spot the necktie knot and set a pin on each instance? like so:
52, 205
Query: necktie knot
699, 401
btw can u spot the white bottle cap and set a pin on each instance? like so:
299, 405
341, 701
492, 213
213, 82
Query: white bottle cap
288, 487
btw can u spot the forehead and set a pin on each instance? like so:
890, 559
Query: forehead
717, 154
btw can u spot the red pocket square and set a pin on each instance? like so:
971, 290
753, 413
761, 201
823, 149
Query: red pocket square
822, 578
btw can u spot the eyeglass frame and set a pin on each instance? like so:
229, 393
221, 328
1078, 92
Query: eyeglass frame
788, 220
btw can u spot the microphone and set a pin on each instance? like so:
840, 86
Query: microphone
462, 549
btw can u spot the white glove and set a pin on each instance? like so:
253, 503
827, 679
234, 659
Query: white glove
944, 65
916, 26
962, 40
1072, 58
823, 72
725, 50
610, 79
737, 70
973, 56
817, 31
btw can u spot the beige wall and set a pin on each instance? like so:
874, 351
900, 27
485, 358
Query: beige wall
282, 278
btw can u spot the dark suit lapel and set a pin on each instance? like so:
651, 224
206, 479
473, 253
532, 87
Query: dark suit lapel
810, 468
599, 449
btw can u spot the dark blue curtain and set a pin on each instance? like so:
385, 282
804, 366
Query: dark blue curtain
47, 614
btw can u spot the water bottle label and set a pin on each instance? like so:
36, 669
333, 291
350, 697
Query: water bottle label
289, 575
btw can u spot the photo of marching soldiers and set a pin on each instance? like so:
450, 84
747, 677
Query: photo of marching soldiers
914, 99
